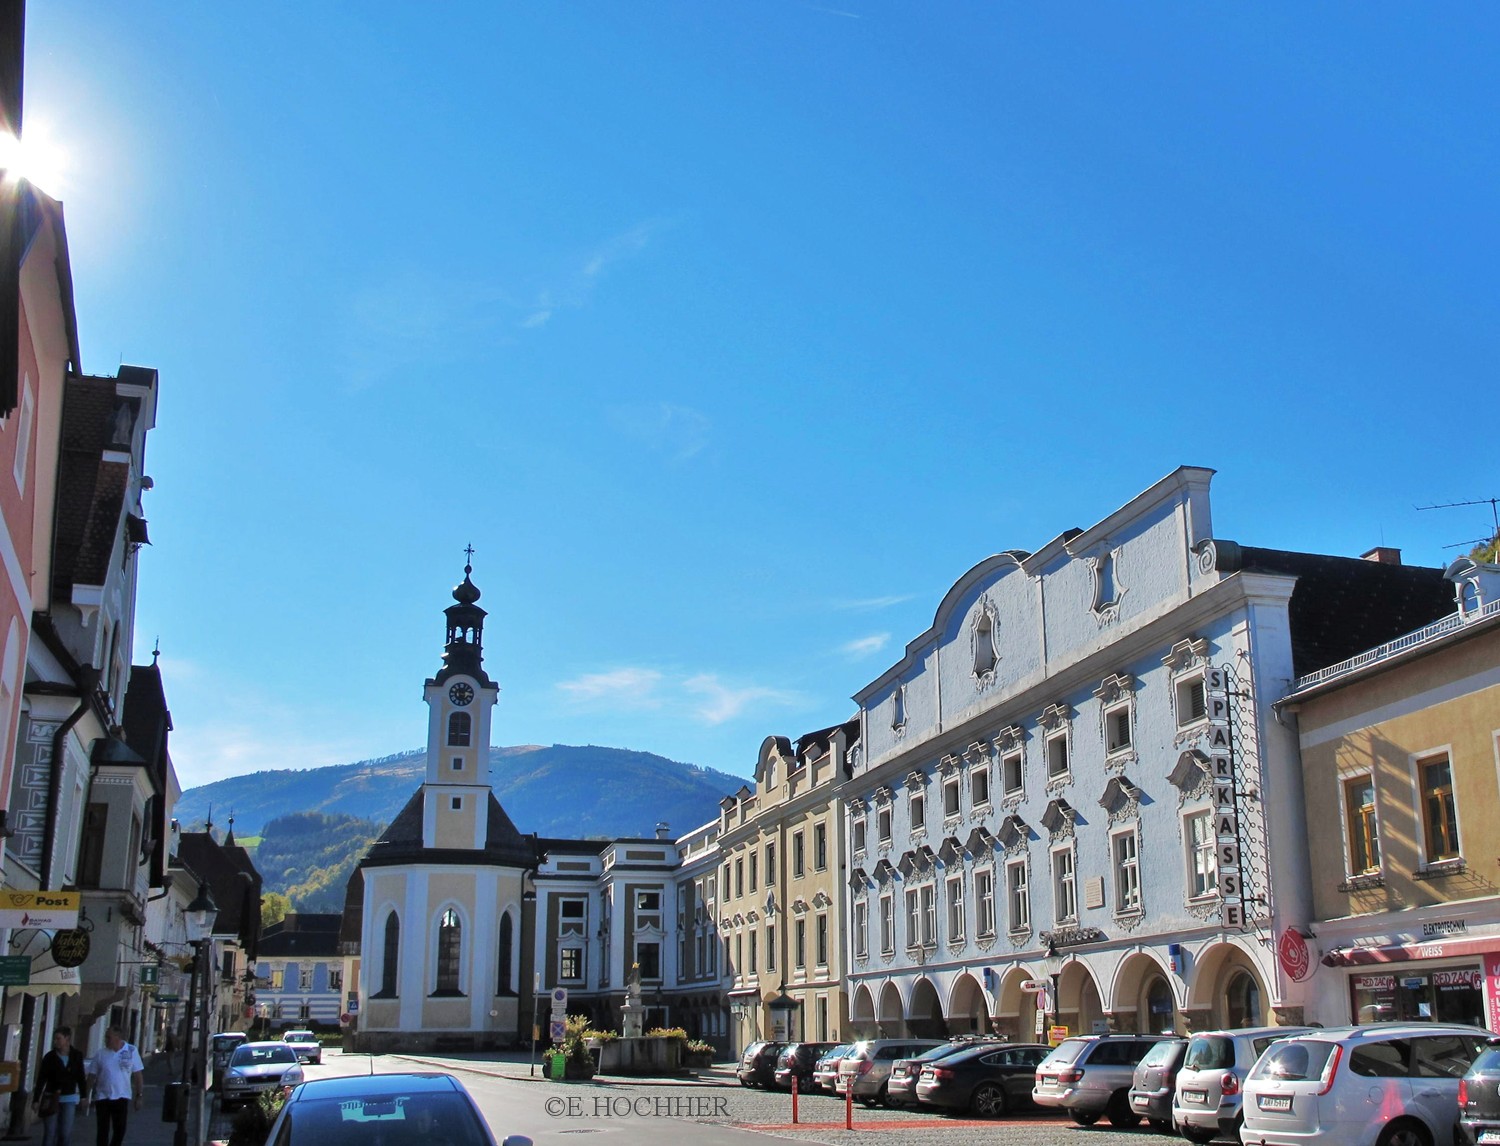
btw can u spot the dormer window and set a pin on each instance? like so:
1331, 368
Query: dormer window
460, 727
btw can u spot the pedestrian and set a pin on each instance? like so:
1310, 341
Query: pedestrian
60, 1086
116, 1075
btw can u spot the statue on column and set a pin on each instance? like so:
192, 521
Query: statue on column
631, 1016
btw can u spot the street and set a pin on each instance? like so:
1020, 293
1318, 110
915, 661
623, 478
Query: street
653, 1113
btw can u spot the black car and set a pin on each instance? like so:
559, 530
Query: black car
986, 1080
901, 1088
1155, 1082
758, 1064
799, 1059
1479, 1099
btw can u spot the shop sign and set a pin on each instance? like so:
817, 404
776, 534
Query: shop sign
1292, 953
70, 948
1374, 982
39, 908
1437, 928
1464, 977
1492, 974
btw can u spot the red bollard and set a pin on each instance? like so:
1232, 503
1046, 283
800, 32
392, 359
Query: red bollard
794, 1100
849, 1106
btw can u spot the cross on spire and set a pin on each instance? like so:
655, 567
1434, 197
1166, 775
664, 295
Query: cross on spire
469, 558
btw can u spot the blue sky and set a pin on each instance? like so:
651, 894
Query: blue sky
731, 334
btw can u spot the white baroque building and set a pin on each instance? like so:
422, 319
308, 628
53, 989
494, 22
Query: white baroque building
1075, 777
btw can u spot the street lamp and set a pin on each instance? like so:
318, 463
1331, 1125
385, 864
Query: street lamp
1054, 972
198, 921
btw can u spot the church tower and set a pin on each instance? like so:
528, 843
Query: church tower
442, 892
460, 702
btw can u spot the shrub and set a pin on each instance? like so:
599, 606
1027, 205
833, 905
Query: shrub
252, 1123
698, 1046
667, 1033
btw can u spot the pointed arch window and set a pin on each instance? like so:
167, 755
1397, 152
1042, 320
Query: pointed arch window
390, 957
450, 945
502, 981
460, 725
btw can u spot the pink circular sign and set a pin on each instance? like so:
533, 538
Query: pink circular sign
1296, 959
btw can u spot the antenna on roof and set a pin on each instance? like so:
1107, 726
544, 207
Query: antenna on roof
1492, 502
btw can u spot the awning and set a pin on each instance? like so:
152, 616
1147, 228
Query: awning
1410, 952
52, 980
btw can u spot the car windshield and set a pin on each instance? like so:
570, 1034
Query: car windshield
1294, 1061
261, 1056
1161, 1054
382, 1120
1209, 1052
298, 1037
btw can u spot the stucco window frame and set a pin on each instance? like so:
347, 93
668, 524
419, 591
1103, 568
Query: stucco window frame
1346, 836
1426, 865
1204, 812
1018, 892
1062, 881
1122, 910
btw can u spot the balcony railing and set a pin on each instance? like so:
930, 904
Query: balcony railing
1422, 636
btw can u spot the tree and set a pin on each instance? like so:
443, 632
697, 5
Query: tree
1488, 554
273, 908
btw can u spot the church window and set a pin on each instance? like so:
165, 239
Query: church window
459, 727
458, 803
450, 944
458, 763
390, 957
507, 935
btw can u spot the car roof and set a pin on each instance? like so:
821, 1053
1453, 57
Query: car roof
1389, 1030
1251, 1032
362, 1085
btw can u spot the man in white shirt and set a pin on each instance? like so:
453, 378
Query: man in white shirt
116, 1077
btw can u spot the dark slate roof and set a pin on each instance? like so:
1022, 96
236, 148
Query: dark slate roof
147, 722
401, 842
547, 845
90, 490
822, 736
311, 934
234, 881
1344, 605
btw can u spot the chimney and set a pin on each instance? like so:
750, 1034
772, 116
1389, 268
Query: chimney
1382, 555
662, 829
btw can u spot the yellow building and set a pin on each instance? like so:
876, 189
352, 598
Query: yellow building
1400, 747
781, 891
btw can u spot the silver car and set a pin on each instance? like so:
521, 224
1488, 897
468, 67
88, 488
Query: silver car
306, 1044
1208, 1098
1091, 1075
867, 1068
256, 1069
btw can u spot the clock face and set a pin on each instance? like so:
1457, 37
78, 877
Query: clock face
460, 694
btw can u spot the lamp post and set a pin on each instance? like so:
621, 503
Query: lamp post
198, 921
1054, 972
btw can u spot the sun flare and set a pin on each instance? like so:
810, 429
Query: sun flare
37, 157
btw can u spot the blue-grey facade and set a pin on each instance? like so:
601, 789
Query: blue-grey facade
1074, 780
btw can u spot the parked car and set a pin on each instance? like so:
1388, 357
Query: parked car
1208, 1101
220, 1047
826, 1071
758, 1064
1380, 1084
256, 1069
798, 1060
378, 1109
867, 1068
306, 1044
1091, 1075
988, 1079
901, 1087
1154, 1084
1479, 1098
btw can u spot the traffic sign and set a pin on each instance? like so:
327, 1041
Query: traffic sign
559, 1031
559, 997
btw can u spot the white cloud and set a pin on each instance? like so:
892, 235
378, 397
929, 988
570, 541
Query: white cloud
536, 319
866, 646
680, 432
870, 604
625, 687
574, 288
721, 703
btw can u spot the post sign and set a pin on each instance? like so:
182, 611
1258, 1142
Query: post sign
15, 970
39, 908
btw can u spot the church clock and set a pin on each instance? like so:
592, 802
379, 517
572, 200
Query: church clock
461, 694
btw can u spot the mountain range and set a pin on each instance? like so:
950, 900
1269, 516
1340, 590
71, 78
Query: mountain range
564, 790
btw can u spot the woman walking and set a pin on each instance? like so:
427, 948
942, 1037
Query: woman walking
59, 1086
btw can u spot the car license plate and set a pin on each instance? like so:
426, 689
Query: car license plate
1195, 1096
1139, 1099
1275, 1101
1488, 1136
